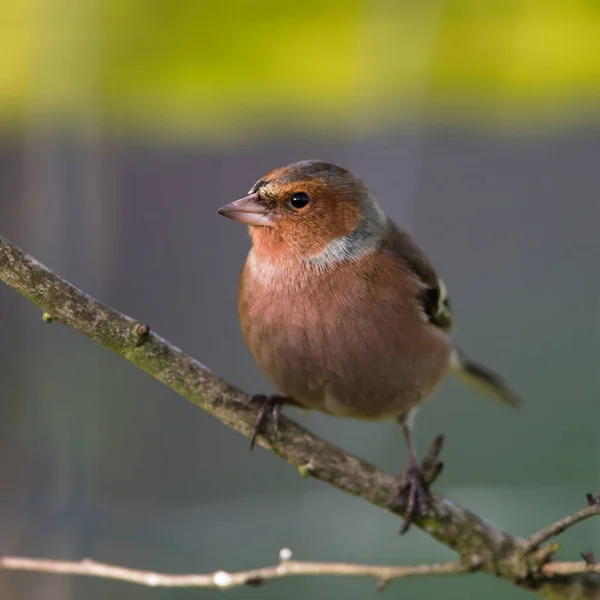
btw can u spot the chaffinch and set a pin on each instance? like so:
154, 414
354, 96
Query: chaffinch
341, 309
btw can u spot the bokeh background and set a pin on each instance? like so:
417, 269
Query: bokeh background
124, 125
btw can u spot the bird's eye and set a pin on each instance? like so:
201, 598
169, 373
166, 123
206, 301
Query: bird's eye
299, 200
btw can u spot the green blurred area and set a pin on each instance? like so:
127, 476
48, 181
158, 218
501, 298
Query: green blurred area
237, 65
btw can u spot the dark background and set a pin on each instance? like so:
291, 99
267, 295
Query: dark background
98, 460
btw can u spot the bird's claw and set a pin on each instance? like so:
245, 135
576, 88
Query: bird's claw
274, 403
413, 491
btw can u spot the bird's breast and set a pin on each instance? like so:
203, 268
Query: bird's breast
348, 341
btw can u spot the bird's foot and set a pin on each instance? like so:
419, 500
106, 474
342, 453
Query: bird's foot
413, 491
267, 403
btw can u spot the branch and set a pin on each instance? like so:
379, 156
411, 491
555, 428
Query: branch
476, 541
570, 568
558, 527
223, 579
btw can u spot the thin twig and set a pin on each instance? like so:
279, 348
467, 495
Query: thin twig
570, 568
559, 526
225, 579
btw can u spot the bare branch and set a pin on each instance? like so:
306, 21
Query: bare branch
558, 527
224, 579
570, 568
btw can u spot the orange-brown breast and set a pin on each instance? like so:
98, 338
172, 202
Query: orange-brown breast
349, 340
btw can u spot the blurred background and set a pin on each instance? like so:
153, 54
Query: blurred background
124, 125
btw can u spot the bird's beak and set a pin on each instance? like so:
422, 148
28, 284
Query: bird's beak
249, 210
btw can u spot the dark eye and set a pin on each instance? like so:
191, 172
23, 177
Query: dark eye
299, 200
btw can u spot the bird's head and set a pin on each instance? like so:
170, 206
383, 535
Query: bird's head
307, 210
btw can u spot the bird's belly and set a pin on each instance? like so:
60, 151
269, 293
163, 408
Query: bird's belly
346, 371
389, 392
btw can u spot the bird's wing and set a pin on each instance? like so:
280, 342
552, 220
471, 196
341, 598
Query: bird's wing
434, 295
436, 307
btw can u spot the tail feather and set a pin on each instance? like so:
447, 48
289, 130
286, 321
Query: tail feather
483, 379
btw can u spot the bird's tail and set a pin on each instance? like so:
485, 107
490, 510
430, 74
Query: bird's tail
483, 379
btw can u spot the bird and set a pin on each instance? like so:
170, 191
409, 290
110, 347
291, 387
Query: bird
343, 311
